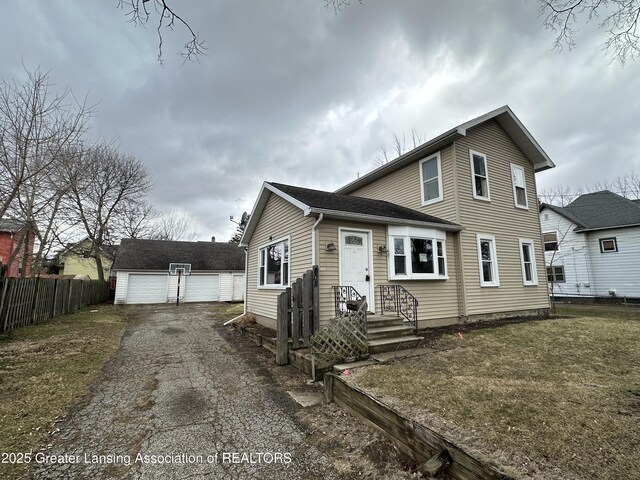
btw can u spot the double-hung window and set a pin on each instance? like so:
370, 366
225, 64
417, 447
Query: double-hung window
550, 240
479, 175
431, 179
528, 261
519, 186
273, 260
417, 254
487, 261
555, 274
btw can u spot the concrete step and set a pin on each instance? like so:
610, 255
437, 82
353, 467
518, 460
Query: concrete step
377, 333
383, 321
393, 344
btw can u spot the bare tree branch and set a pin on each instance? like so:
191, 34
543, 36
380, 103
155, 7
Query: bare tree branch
138, 13
618, 18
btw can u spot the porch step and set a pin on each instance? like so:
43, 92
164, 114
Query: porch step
393, 344
375, 321
377, 333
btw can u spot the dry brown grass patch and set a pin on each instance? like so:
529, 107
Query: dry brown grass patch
544, 397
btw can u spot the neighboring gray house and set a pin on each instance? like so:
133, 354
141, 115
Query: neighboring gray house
592, 246
142, 271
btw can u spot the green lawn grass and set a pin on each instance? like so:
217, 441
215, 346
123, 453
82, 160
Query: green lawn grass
45, 369
548, 396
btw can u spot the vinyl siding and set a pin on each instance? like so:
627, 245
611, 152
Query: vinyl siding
403, 188
279, 219
500, 218
619, 271
437, 299
572, 254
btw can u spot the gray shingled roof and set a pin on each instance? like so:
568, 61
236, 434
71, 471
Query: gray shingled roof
136, 254
8, 225
358, 205
600, 211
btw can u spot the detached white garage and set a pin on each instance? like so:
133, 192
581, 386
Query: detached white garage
142, 272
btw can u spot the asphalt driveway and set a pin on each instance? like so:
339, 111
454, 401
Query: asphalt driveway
180, 401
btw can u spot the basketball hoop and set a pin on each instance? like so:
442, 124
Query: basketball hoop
179, 270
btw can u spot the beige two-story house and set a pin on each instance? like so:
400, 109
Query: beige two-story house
452, 224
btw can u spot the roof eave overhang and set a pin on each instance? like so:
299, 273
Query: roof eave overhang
422, 151
380, 219
597, 229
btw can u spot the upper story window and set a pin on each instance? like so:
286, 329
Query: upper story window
487, 261
273, 271
431, 179
417, 253
550, 240
608, 245
480, 175
519, 186
528, 261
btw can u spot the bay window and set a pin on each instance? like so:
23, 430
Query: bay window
418, 254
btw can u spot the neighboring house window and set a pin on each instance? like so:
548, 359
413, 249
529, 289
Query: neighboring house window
418, 253
555, 274
431, 179
519, 186
608, 245
487, 261
274, 264
528, 260
550, 240
480, 175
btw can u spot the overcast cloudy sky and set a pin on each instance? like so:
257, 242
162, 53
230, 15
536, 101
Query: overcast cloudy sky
290, 92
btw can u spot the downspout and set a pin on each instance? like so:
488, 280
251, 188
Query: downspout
246, 277
313, 239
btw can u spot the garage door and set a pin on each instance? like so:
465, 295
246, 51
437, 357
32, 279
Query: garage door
147, 288
202, 288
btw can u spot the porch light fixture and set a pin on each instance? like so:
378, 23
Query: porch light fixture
382, 249
331, 247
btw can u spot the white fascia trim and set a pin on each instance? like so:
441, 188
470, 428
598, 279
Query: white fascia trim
382, 220
259, 206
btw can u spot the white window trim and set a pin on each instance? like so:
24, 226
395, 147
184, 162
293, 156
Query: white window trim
440, 197
534, 271
473, 176
557, 241
515, 196
494, 260
608, 239
274, 287
553, 275
408, 233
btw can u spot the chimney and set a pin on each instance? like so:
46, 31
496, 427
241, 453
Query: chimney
213, 239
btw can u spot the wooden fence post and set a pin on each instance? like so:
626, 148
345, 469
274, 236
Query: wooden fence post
296, 290
316, 298
307, 299
282, 344
4, 304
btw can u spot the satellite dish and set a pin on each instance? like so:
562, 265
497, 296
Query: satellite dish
245, 217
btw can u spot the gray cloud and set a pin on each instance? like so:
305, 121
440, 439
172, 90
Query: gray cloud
291, 92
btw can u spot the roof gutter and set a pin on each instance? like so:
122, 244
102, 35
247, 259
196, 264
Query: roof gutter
382, 220
597, 229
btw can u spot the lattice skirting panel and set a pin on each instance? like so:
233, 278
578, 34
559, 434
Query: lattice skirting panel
344, 337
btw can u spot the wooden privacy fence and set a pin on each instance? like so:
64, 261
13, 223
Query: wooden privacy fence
24, 301
298, 315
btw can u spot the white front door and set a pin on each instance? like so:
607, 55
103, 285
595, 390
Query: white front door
355, 270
